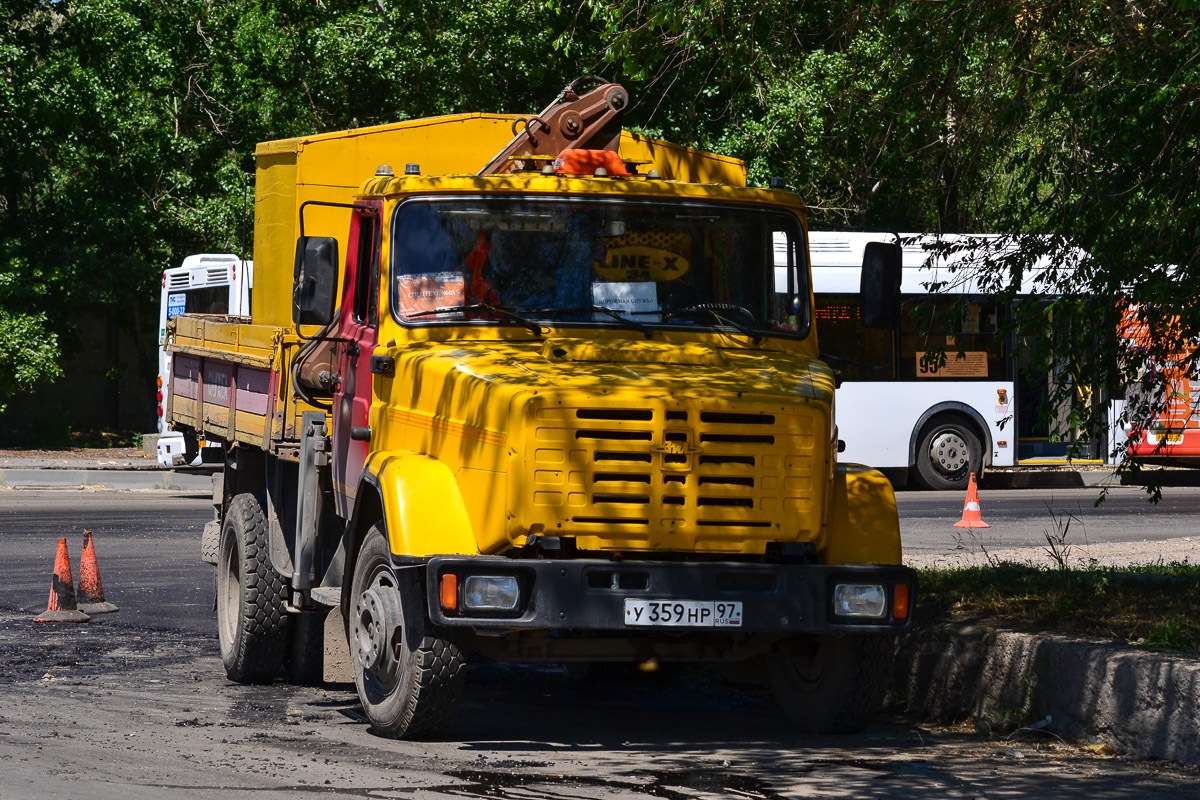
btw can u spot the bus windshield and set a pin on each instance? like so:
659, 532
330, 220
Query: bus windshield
594, 262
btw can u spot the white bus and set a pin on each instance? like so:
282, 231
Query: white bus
897, 407
202, 284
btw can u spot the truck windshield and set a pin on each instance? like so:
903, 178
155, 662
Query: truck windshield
594, 262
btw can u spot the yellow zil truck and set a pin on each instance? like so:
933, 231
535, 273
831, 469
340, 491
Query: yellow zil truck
537, 389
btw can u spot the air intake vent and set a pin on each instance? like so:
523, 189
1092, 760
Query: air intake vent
631, 414
721, 418
645, 477
626, 436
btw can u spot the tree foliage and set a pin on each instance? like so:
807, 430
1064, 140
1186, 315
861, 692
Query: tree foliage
1073, 126
126, 128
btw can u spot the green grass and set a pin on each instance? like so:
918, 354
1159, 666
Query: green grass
1155, 605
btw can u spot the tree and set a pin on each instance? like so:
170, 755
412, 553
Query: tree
1073, 125
127, 129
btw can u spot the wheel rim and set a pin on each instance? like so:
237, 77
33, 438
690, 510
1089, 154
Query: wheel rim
948, 452
229, 592
378, 629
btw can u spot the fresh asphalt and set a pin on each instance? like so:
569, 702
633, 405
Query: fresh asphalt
147, 546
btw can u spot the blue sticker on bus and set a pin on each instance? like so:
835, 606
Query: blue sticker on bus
176, 305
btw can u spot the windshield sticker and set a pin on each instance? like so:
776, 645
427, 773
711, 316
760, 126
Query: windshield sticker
626, 297
429, 292
176, 305
645, 256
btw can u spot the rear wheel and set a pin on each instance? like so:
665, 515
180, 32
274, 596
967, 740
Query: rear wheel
831, 683
409, 675
251, 614
948, 451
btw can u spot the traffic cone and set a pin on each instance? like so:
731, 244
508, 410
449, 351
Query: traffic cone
972, 517
61, 607
91, 593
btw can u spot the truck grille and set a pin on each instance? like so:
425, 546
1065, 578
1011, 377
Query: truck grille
673, 476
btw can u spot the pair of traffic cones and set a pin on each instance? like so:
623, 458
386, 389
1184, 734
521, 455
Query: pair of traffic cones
972, 515
62, 606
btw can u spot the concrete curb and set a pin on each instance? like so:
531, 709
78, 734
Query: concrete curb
104, 478
1141, 702
1046, 479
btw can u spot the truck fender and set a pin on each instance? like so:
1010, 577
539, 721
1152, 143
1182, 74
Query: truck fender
864, 526
420, 504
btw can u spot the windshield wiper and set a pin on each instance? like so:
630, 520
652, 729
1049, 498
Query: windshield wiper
715, 310
618, 316
504, 312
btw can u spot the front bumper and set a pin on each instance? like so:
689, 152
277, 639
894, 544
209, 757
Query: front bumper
590, 595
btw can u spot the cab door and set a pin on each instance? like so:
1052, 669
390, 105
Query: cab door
358, 333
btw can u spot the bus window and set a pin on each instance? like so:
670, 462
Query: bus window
968, 337
860, 354
208, 300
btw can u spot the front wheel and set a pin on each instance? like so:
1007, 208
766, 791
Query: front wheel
831, 684
948, 452
409, 675
252, 622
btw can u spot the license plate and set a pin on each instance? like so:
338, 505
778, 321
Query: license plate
683, 613
1172, 438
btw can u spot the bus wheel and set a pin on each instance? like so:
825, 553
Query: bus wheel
831, 683
948, 451
252, 622
409, 675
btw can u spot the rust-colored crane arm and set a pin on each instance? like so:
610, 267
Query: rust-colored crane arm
591, 121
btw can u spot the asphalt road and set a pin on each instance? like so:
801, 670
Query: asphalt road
1124, 527
147, 545
148, 541
136, 705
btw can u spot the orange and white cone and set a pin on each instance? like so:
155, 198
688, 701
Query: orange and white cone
91, 593
972, 516
61, 607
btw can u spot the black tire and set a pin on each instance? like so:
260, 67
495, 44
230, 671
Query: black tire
210, 542
409, 674
306, 651
948, 451
252, 623
831, 684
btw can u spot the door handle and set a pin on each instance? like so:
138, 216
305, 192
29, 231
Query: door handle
353, 350
383, 365
361, 433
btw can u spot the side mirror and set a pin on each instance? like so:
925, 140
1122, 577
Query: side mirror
879, 285
316, 277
